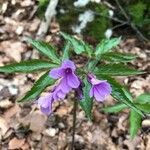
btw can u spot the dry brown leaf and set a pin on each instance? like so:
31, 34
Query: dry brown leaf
16, 143
3, 126
13, 49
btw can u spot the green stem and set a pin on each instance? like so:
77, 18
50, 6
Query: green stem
74, 124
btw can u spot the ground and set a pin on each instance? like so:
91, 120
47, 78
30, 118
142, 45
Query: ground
23, 126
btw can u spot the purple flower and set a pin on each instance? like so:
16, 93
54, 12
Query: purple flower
58, 93
45, 103
67, 74
100, 88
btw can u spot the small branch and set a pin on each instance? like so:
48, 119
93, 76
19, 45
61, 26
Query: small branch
130, 23
122, 10
74, 124
50, 12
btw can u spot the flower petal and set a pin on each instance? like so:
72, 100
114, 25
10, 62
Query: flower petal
73, 80
91, 93
105, 88
64, 86
97, 94
95, 81
56, 73
47, 110
68, 64
45, 104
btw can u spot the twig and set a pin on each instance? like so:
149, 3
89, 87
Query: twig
122, 10
74, 124
130, 23
50, 12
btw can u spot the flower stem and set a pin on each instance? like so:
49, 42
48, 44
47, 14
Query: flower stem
74, 123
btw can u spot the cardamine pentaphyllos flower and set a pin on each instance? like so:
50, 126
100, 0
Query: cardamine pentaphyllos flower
68, 81
100, 88
45, 103
67, 74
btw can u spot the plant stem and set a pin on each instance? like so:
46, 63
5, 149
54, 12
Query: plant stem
74, 123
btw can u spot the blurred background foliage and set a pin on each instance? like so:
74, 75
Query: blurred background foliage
68, 14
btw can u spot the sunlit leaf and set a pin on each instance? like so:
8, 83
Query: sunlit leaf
116, 70
79, 46
115, 108
45, 49
143, 98
118, 57
106, 46
135, 123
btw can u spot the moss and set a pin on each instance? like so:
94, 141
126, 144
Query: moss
70, 16
100, 24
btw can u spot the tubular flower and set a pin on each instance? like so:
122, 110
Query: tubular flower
45, 103
100, 88
67, 74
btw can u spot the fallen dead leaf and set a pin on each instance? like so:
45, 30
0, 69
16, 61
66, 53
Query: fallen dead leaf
3, 126
16, 143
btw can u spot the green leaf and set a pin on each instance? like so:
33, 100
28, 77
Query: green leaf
87, 103
117, 57
27, 66
66, 51
135, 123
38, 88
118, 92
143, 98
115, 108
106, 45
116, 70
45, 49
79, 46
144, 107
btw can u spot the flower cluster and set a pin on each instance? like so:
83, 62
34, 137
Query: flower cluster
68, 81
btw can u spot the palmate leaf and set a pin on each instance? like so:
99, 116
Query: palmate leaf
27, 66
86, 103
38, 88
106, 45
116, 70
79, 46
117, 57
135, 123
118, 92
115, 108
45, 49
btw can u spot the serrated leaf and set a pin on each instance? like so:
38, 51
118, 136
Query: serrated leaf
143, 98
27, 66
115, 108
79, 46
86, 103
45, 49
106, 45
119, 94
116, 70
38, 88
135, 123
117, 57
66, 51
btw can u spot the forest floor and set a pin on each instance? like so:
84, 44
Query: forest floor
23, 126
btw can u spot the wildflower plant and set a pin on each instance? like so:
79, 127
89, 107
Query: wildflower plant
94, 81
